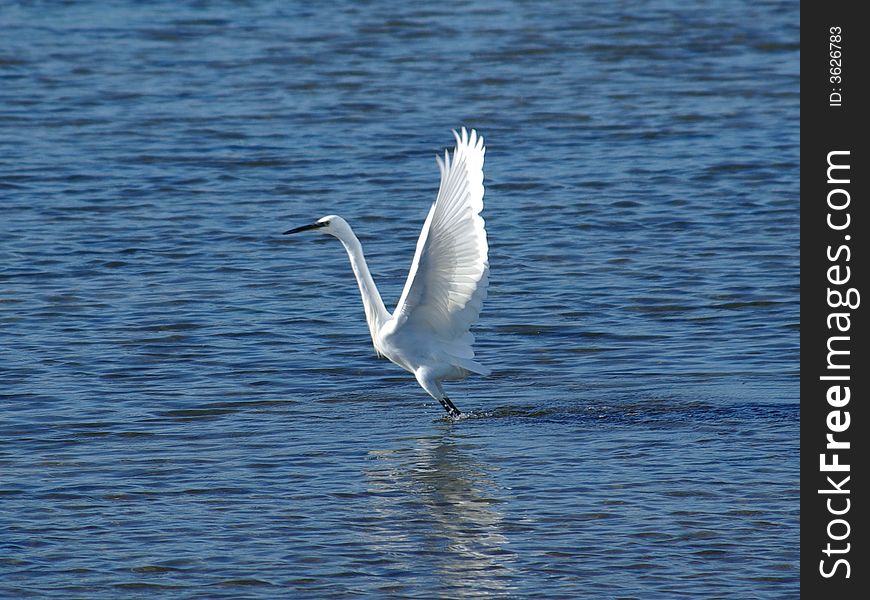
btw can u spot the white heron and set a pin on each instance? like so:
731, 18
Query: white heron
428, 332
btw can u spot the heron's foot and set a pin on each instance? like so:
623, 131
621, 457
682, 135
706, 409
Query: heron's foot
450, 407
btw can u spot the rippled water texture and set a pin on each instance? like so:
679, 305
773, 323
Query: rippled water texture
191, 406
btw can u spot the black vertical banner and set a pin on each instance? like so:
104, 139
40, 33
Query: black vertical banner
834, 301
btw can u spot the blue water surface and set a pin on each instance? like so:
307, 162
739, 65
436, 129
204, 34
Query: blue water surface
190, 405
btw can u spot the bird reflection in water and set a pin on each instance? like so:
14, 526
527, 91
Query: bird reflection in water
436, 518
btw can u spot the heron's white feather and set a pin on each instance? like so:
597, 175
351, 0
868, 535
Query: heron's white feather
447, 283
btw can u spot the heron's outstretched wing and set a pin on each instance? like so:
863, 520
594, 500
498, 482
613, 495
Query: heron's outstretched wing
447, 283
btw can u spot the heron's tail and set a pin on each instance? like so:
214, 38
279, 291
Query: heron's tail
473, 366
459, 353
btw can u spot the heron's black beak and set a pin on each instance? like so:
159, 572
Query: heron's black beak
306, 227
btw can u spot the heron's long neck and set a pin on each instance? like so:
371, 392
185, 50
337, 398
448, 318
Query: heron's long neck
376, 312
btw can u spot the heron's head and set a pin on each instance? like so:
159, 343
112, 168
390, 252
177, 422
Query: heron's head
331, 224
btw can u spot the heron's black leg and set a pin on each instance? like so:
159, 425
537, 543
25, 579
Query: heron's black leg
450, 407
